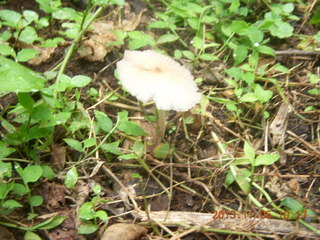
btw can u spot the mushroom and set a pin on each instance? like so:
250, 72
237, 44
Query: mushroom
151, 76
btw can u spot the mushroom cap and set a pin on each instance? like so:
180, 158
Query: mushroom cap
151, 76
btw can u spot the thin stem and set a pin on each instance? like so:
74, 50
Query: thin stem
162, 122
76, 41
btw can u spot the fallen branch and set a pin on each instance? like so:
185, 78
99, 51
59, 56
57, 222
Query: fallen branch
297, 52
240, 225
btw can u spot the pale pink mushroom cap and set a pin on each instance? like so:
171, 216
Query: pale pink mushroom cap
151, 76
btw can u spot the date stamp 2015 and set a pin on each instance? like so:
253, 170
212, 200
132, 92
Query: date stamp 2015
261, 214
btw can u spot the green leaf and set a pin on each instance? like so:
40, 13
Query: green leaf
241, 178
31, 173
66, 14
255, 35
239, 27
19, 189
11, 204
162, 150
30, 16
229, 178
197, 42
26, 101
292, 204
26, 54
131, 128
263, 95
80, 81
122, 116
249, 97
243, 184
188, 54
86, 211
281, 29
288, 7
221, 100
266, 50
50, 223
315, 19
102, 215
38, 132
208, 57
47, 172
104, 122
158, 24
25, 80
5, 151
35, 201
28, 35
281, 68
112, 148
6, 50
313, 78
128, 156
87, 228
5, 169
75, 144
10, 17
71, 178
89, 142
314, 91
249, 151
31, 236
5, 188
138, 39
5, 36
167, 38
235, 72
8, 127
240, 54
266, 159
97, 189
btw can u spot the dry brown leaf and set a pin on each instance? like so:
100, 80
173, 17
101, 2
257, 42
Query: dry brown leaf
281, 189
124, 231
58, 156
278, 128
279, 124
132, 23
95, 48
83, 192
43, 55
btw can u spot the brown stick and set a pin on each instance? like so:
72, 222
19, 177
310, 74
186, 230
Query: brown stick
239, 224
290, 52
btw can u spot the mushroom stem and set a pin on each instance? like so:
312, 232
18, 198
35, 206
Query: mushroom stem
162, 122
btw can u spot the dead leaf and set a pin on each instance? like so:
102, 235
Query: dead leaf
132, 23
83, 190
279, 124
54, 196
96, 47
58, 156
124, 231
96, 168
43, 55
278, 128
282, 188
